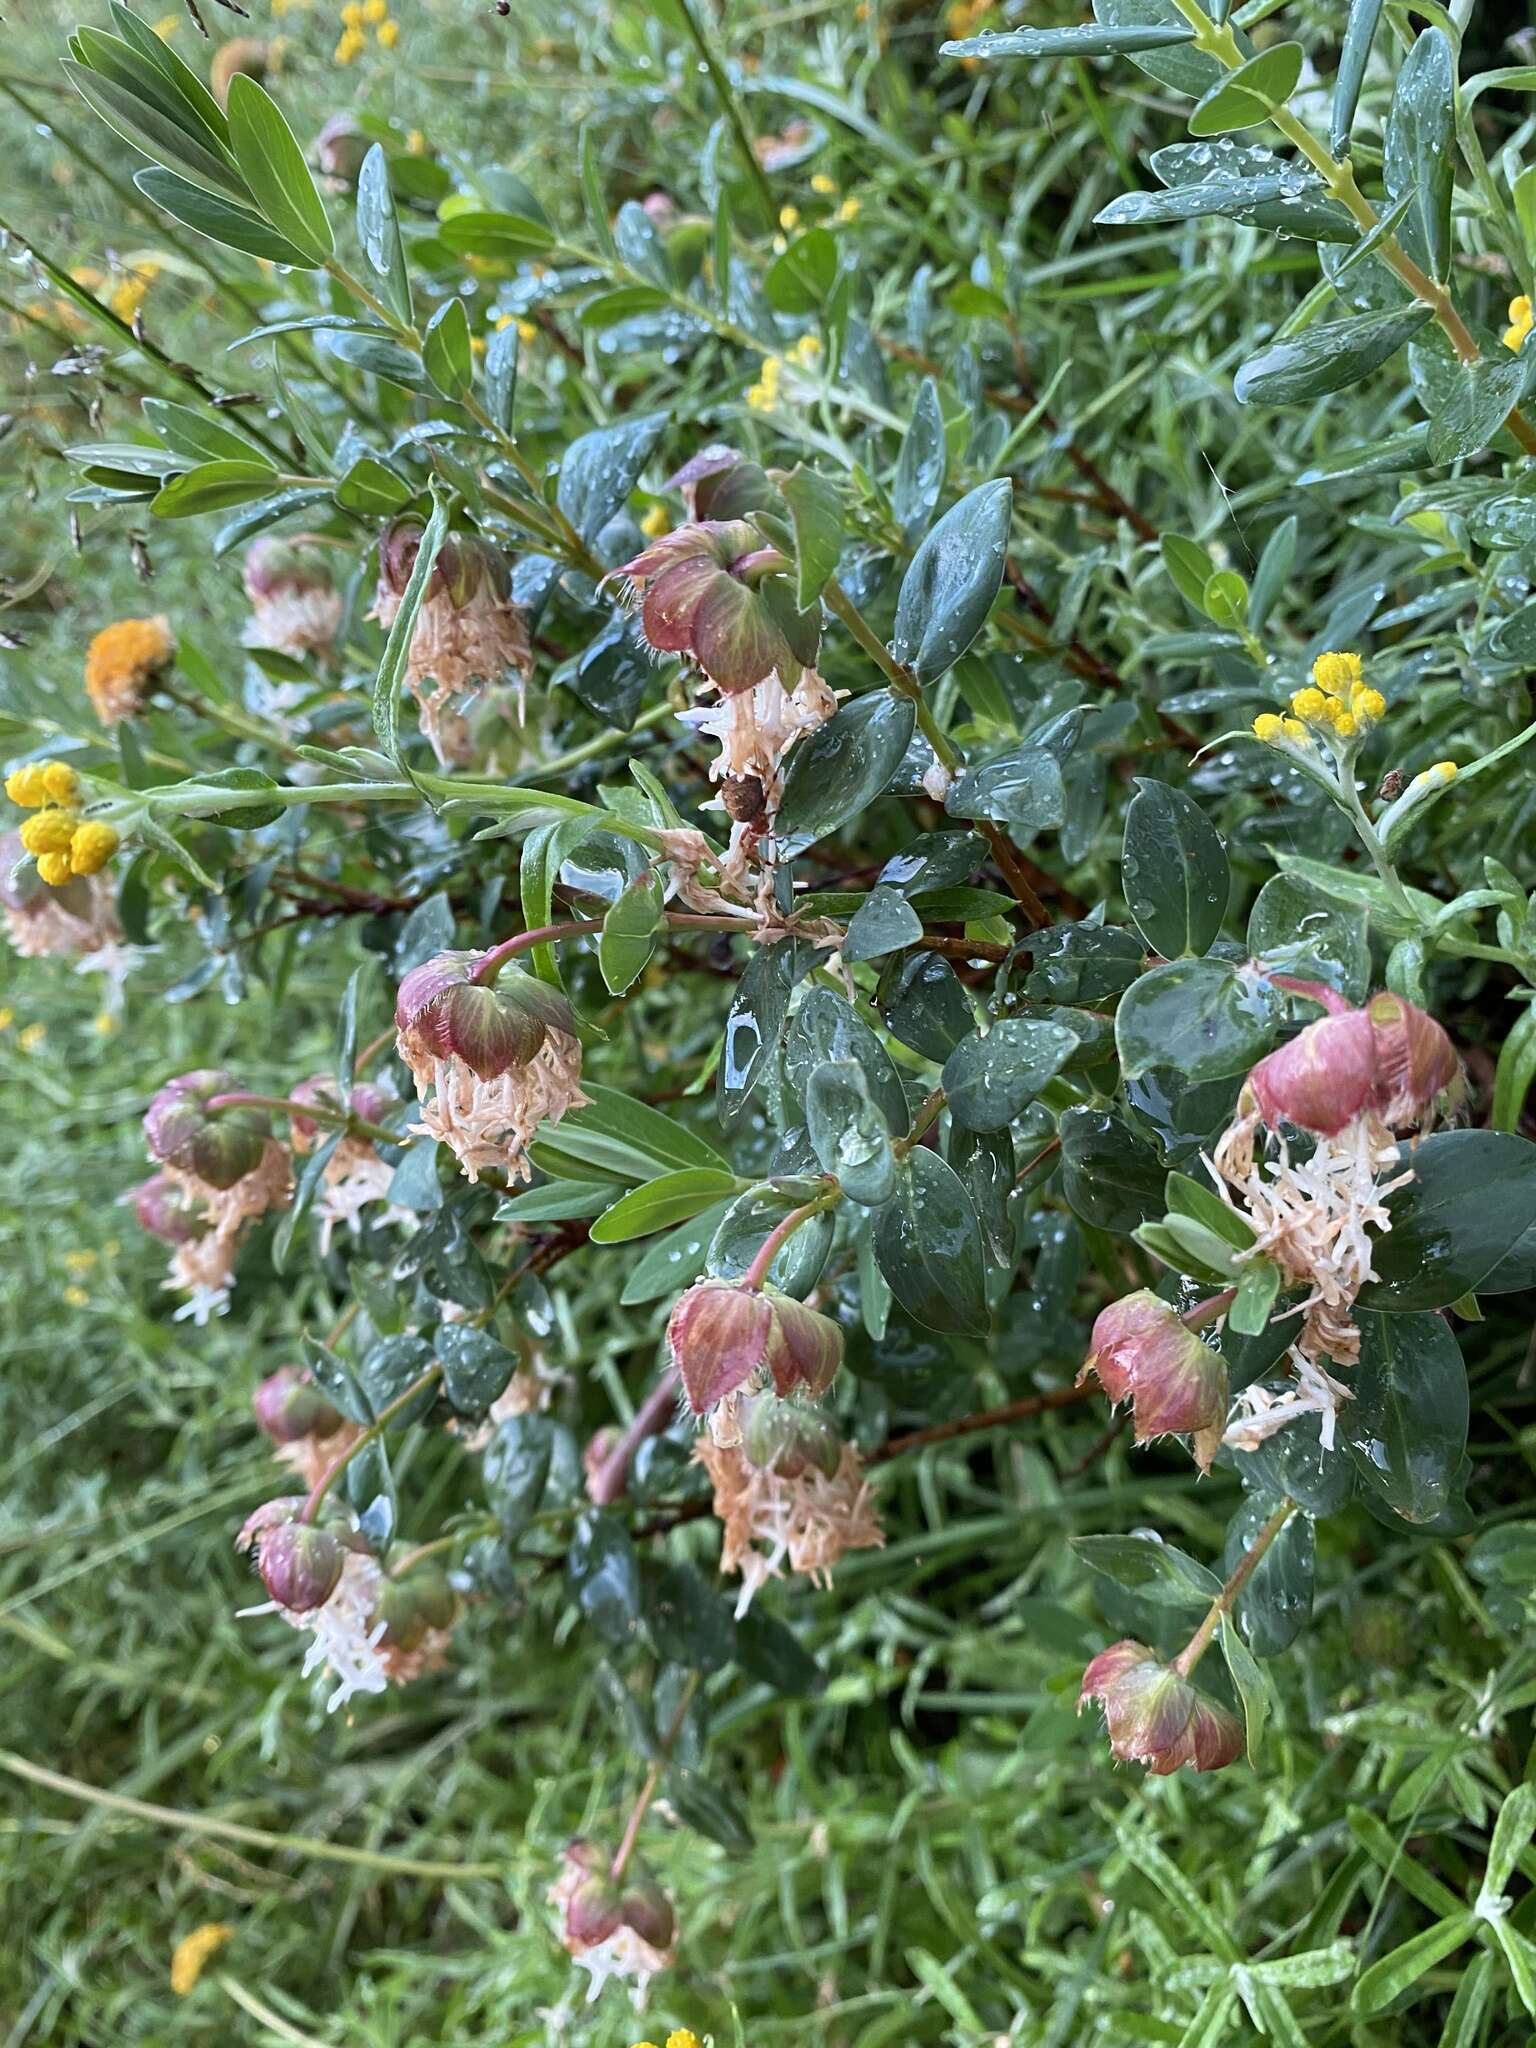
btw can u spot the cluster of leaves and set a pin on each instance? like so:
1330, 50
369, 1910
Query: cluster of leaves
1031, 486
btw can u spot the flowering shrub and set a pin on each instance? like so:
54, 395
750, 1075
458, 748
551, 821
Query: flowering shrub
877, 919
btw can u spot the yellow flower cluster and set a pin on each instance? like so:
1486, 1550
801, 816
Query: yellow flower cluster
59, 840
357, 17
1521, 321
682, 2037
764, 394
1338, 704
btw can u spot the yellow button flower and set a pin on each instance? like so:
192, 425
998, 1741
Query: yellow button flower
55, 870
60, 781
28, 786
1368, 703
31, 1037
1309, 703
764, 395
92, 846
1335, 673
375, 11
389, 34
1520, 321
850, 209
1269, 728
789, 217
49, 831
821, 183
352, 15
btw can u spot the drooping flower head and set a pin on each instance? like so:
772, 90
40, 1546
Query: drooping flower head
716, 592
122, 663
1154, 1714
1142, 1352
307, 1432
339, 150
718, 483
611, 1927
418, 1614
491, 1059
295, 605
216, 1147
1389, 1059
468, 631
724, 1337
165, 1210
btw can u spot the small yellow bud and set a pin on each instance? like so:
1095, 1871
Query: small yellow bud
850, 209
1336, 672
1345, 724
76, 1297
655, 523
191, 1954
375, 11
389, 34
1309, 703
684, 2037
804, 351
349, 46
92, 846
416, 143
31, 1037
1269, 728
352, 15
49, 831
61, 782
55, 870
1294, 730
789, 217
7, 1018
1368, 704
27, 786
103, 1023
821, 183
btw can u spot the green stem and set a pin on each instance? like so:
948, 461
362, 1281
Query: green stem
1338, 176
385, 1416
730, 103
752, 1280
663, 1756
897, 674
316, 1112
235, 1831
1226, 1599
926, 1117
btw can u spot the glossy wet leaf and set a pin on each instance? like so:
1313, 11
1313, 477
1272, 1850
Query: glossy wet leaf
799, 280
603, 1573
1187, 71
689, 1623
1472, 1198
273, 167
446, 351
816, 511
1022, 789
1173, 870
1406, 1429
797, 1264
1203, 1019
924, 1004
1419, 148
919, 480
754, 1024
212, 487
221, 219
630, 928
883, 923
1480, 398
476, 1368
827, 1027
601, 468
616, 1135
851, 1136
659, 1204
1292, 1463
1295, 929
1110, 1177
989, 1078
1156, 1571
1276, 1602
1354, 55
378, 232
952, 580
1084, 40
1325, 358
1251, 93
928, 1245
842, 767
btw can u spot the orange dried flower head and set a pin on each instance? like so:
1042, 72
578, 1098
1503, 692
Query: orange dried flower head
122, 662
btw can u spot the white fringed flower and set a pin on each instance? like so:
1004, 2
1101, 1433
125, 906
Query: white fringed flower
490, 1124
809, 1519
204, 1267
456, 648
347, 1638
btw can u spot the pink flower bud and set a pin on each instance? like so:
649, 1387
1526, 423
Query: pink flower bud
340, 148
300, 1565
1155, 1716
491, 1027
1322, 1079
289, 1405
216, 1147
164, 1211
712, 590
721, 1334
592, 1914
1141, 1352
717, 483
1415, 1060
293, 567
645, 1907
